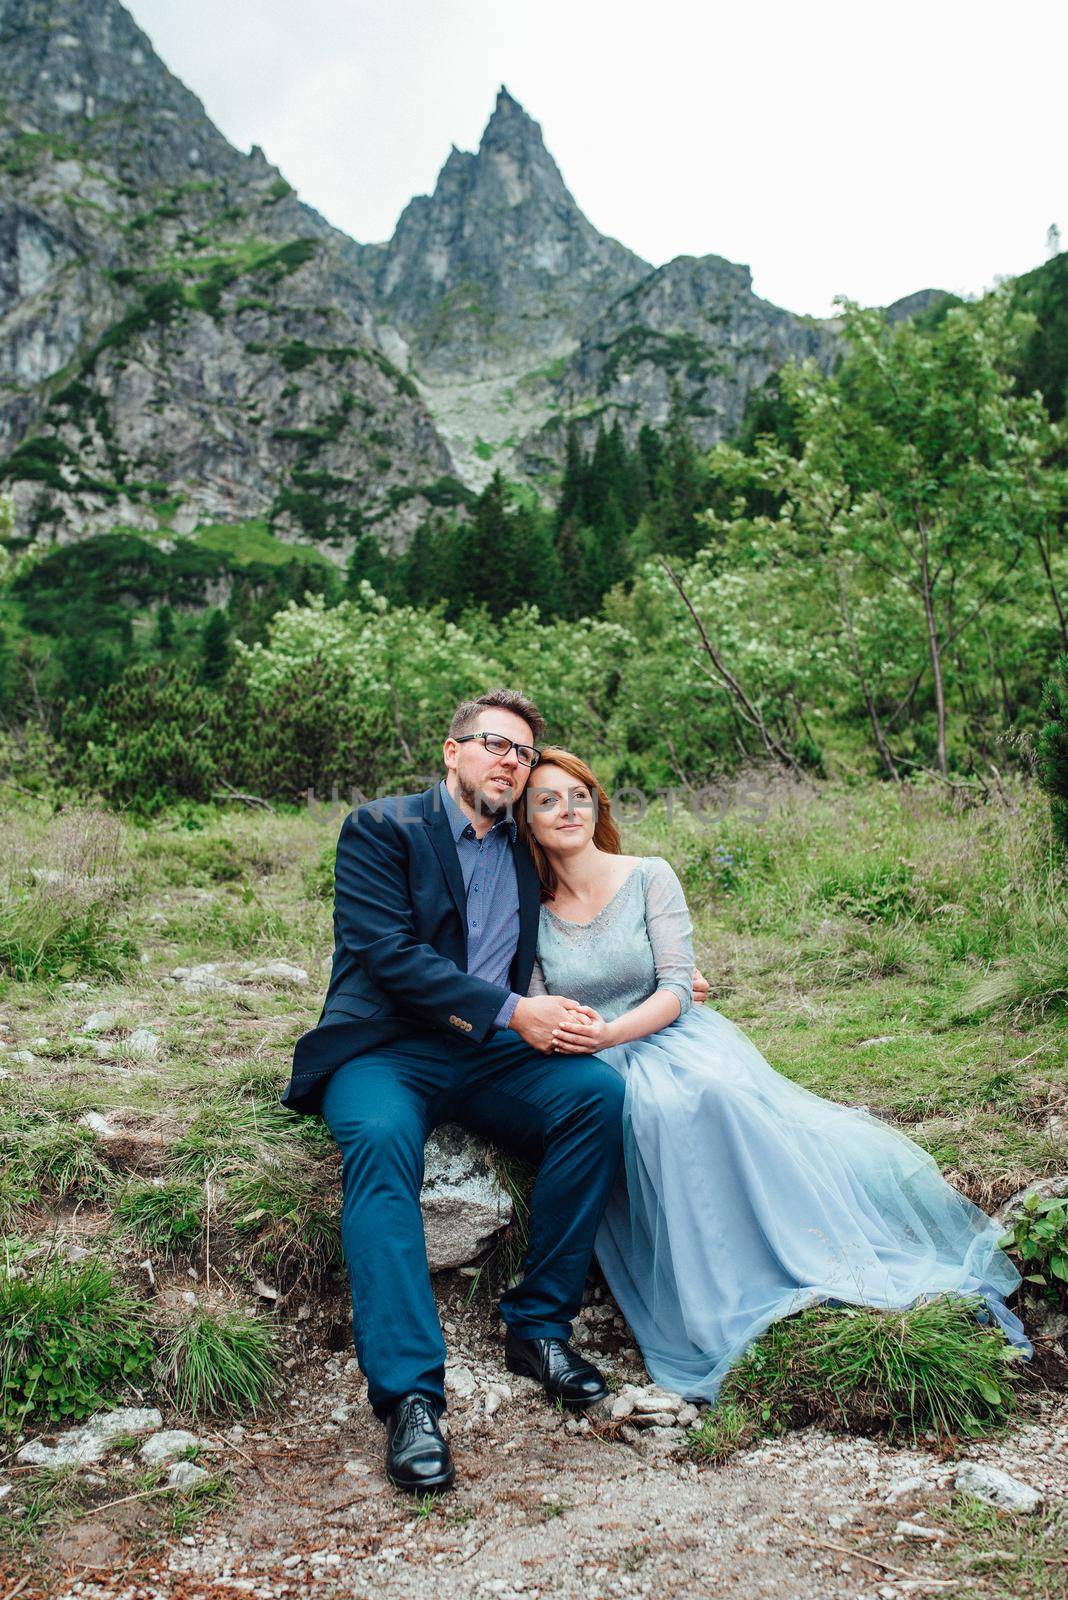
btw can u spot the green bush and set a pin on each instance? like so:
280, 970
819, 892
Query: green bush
1053, 748
71, 1340
1038, 1237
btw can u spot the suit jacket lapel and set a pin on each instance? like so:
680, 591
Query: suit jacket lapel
437, 823
529, 915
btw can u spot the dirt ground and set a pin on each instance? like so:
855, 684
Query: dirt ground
546, 1505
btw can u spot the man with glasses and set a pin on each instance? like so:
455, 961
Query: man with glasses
426, 1020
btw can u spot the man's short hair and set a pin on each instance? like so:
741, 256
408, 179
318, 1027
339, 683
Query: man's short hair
467, 712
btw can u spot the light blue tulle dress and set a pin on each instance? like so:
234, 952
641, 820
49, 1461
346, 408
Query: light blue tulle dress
743, 1197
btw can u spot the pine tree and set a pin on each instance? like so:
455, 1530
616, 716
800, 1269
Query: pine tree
677, 493
164, 636
650, 456
368, 563
1053, 749
215, 649
571, 504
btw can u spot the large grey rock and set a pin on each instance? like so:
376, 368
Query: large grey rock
79, 1447
463, 1201
997, 1488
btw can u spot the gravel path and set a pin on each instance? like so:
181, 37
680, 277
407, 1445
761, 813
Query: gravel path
546, 1505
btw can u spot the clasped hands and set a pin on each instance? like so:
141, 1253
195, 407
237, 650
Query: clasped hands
554, 1024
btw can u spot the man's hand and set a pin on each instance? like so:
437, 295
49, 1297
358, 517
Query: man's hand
701, 987
536, 1017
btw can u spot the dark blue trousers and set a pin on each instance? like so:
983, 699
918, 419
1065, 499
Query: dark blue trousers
562, 1112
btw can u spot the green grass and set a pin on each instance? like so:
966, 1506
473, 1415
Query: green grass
219, 1363
165, 1218
72, 1338
245, 543
59, 1159
288, 1224
932, 1369
230, 1137
1030, 1553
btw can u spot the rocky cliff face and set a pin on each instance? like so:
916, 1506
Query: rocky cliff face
181, 340
516, 315
498, 270
693, 328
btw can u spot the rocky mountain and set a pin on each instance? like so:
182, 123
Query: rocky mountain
181, 340
184, 343
693, 328
498, 270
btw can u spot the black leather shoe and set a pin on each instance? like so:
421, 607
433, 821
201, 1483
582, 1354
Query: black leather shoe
564, 1374
417, 1457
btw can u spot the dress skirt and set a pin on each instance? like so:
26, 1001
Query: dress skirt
745, 1198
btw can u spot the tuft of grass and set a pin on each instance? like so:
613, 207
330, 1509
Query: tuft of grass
227, 1137
1033, 983
59, 1159
17, 1194
166, 1217
218, 1363
58, 918
71, 1338
1003, 1554
930, 1369
290, 1229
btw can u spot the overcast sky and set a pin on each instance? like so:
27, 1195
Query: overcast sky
839, 146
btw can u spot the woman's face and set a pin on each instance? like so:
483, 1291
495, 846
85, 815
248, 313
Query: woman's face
561, 810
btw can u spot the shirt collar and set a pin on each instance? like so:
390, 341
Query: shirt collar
459, 824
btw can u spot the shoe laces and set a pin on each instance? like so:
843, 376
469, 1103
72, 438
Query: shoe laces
421, 1417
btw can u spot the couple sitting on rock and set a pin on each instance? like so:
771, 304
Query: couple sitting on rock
502, 965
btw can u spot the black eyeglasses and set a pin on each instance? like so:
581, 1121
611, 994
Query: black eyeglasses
498, 745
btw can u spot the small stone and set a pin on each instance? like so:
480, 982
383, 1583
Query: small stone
292, 1561
622, 1406
903, 1488
915, 1530
143, 1043
492, 1403
24, 1058
357, 1469
38, 1044
996, 1488
165, 1446
100, 1022
339, 1414
97, 1124
630, 1434
687, 1416
280, 972
186, 1475
461, 1380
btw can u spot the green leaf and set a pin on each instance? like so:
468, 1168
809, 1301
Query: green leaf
989, 1391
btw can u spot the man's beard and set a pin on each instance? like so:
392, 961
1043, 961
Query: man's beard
481, 803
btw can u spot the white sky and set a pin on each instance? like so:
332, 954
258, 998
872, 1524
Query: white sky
839, 146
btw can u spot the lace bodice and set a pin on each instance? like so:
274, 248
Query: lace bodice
638, 943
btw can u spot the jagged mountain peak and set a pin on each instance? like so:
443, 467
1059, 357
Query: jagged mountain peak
509, 123
498, 269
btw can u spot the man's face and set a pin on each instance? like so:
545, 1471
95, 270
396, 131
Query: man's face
490, 783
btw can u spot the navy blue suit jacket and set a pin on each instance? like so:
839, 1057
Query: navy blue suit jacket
400, 941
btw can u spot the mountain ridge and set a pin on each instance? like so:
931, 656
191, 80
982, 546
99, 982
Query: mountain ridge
183, 341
